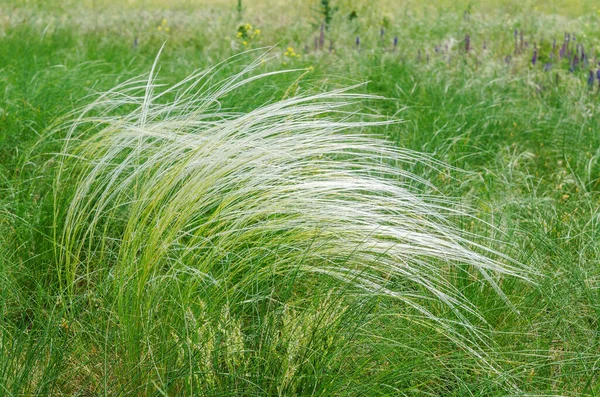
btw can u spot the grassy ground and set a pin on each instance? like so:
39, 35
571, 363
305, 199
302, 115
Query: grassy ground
520, 147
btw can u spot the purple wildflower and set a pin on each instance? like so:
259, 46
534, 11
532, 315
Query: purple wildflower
591, 79
574, 64
357, 41
467, 43
135, 43
535, 55
395, 42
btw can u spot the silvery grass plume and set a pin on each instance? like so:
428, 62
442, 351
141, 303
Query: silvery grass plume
163, 178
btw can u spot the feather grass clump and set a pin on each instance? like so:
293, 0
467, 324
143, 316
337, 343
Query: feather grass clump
161, 182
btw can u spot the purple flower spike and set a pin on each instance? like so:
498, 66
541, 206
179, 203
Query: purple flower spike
591, 79
395, 41
381, 32
535, 56
357, 41
467, 43
574, 64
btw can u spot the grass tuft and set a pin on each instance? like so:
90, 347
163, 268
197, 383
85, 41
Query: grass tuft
268, 206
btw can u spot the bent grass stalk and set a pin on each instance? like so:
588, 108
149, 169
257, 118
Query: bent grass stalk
244, 200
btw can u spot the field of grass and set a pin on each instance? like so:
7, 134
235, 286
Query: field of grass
203, 199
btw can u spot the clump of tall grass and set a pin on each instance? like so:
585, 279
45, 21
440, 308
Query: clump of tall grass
250, 212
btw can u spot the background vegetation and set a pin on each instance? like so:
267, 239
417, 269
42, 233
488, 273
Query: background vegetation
480, 87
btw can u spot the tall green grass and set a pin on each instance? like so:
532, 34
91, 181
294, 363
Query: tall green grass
129, 265
289, 214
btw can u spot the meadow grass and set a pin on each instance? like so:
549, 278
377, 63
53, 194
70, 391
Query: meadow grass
232, 219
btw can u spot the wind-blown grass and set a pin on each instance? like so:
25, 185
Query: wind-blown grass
256, 214
199, 317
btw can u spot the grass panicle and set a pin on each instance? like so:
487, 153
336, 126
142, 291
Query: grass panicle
165, 180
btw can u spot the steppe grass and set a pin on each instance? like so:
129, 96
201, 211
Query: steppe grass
137, 259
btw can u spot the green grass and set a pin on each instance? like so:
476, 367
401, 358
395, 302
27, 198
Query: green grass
434, 231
